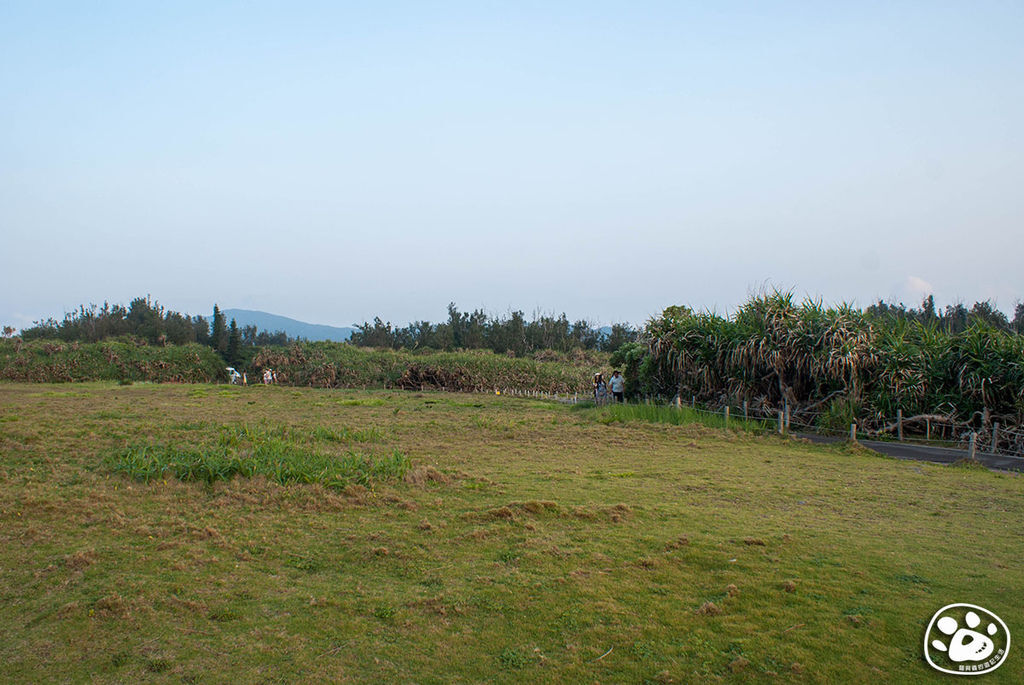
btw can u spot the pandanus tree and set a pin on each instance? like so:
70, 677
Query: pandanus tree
775, 350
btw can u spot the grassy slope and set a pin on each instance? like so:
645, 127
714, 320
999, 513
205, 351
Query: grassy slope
556, 540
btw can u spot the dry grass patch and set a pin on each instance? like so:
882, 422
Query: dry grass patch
709, 609
422, 475
678, 543
80, 560
112, 606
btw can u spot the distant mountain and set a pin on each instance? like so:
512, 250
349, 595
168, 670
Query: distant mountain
295, 329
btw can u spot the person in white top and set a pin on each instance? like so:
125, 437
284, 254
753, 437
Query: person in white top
617, 384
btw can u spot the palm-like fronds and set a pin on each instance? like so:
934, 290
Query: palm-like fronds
774, 350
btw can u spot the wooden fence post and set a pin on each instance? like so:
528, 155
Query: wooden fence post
746, 415
970, 449
853, 432
727, 416
780, 423
995, 437
787, 414
899, 425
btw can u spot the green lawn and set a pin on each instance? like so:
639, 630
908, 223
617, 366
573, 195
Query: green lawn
471, 538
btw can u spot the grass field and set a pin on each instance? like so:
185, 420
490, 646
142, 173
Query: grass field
438, 537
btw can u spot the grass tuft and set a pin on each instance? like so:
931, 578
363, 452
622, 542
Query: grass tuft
254, 452
511, 658
676, 416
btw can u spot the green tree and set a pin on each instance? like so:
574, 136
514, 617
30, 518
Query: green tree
627, 359
145, 319
201, 328
620, 334
377, 334
515, 333
928, 308
178, 329
585, 334
955, 318
1018, 318
219, 331
987, 313
457, 324
234, 347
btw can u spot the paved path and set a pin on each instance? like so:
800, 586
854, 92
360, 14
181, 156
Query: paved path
938, 455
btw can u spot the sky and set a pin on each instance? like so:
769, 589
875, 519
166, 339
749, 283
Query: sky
334, 161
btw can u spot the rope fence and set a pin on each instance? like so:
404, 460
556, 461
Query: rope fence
996, 440
993, 438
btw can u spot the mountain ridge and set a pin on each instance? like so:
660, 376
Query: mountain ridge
271, 323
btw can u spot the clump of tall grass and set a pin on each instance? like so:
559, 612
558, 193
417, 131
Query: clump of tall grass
235, 435
256, 454
343, 434
838, 414
659, 413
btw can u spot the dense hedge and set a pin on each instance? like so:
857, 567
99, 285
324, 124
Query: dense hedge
114, 360
329, 365
833, 363
319, 364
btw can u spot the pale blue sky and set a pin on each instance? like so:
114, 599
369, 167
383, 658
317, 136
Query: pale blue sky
335, 161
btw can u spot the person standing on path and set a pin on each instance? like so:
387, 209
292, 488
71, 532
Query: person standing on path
600, 389
617, 384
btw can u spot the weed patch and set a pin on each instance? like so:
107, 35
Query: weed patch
512, 659
326, 434
658, 413
273, 458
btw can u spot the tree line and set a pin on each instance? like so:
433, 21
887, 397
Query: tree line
512, 334
148, 320
955, 318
